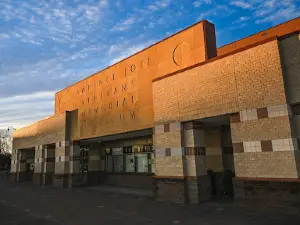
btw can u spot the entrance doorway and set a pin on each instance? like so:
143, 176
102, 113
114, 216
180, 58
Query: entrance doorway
216, 140
83, 167
26, 166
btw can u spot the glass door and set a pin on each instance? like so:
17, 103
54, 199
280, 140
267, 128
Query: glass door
142, 163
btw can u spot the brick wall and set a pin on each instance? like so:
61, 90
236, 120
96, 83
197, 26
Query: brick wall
167, 140
249, 83
245, 80
46, 131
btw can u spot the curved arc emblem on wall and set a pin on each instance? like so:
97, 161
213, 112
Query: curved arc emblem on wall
173, 56
180, 46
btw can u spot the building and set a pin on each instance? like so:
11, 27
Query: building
177, 118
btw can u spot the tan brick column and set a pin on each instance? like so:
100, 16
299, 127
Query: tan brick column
39, 164
265, 149
21, 166
169, 169
49, 164
62, 164
21, 162
14, 165
198, 183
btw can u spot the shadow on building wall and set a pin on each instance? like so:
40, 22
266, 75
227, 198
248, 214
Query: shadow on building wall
289, 47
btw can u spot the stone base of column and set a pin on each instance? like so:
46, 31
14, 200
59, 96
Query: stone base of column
21, 176
191, 190
61, 180
170, 189
102, 177
76, 180
198, 189
93, 177
283, 194
37, 179
48, 178
13, 177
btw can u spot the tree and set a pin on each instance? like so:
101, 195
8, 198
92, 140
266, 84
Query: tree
6, 147
6, 140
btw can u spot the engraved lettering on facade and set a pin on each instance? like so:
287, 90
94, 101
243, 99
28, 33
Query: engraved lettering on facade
132, 115
115, 91
132, 68
103, 108
132, 83
121, 116
100, 82
123, 87
113, 76
110, 105
124, 101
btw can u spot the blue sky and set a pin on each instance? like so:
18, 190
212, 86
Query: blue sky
48, 45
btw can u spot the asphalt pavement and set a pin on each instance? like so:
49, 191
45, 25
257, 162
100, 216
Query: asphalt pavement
24, 203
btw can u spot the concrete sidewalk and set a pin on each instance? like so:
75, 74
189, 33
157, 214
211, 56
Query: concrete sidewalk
126, 191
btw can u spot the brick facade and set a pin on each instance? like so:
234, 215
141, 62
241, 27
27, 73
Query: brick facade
234, 113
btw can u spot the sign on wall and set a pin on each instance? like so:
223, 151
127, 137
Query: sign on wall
119, 98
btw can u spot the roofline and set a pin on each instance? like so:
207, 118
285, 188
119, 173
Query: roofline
260, 32
201, 21
267, 40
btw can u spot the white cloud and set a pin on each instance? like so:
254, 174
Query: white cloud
129, 21
244, 18
280, 15
28, 97
2, 35
159, 4
21, 110
241, 4
51, 20
197, 4
124, 25
241, 19
103, 2
114, 48
275, 11
130, 51
218, 10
